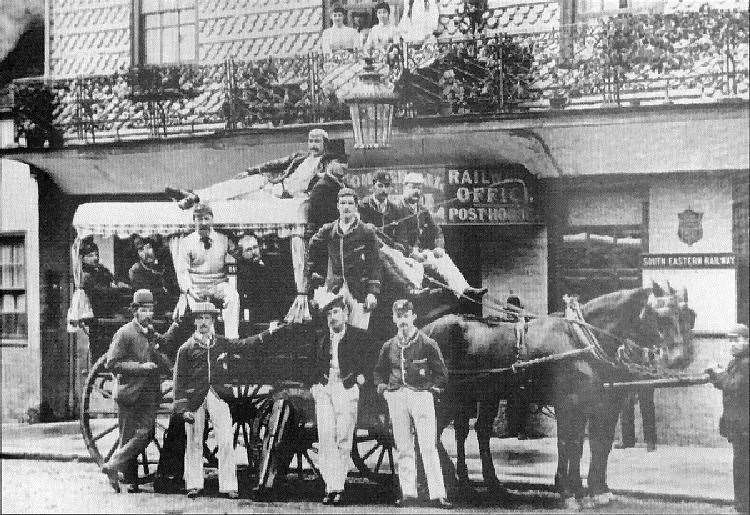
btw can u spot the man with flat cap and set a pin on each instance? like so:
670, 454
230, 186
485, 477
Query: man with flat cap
134, 357
344, 253
410, 369
734, 382
340, 370
202, 386
201, 272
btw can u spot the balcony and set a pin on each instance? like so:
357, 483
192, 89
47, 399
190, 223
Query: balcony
621, 61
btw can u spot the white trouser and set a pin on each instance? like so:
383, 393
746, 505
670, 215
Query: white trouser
218, 411
231, 299
408, 269
446, 269
358, 316
404, 406
336, 415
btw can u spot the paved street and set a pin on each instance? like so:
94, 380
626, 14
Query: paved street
72, 487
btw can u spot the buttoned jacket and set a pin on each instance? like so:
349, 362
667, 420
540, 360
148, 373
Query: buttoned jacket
369, 212
418, 365
353, 350
129, 350
350, 258
735, 385
416, 229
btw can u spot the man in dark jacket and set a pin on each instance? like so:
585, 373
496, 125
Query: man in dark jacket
154, 274
345, 252
134, 357
377, 209
410, 368
340, 370
734, 382
417, 233
98, 282
201, 387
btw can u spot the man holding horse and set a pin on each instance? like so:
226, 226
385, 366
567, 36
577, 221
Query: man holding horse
410, 370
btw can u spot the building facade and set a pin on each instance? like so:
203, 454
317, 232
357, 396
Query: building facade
556, 161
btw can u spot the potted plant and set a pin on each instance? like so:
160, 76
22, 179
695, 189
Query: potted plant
34, 108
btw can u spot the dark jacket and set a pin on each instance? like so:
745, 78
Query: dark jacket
421, 368
130, 349
160, 280
279, 169
354, 349
96, 281
418, 230
734, 384
353, 259
369, 212
322, 200
197, 368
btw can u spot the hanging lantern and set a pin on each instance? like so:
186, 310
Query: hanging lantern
371, 102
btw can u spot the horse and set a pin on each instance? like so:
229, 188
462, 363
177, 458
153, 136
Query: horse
621, 330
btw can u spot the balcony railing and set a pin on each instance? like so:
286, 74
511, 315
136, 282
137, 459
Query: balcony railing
619, 61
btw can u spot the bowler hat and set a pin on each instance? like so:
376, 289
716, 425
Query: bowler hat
402, 305
200, 308
142, 297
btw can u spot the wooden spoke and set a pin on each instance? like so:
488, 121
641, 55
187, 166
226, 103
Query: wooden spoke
380, 459
144, 462
111, 451
106, 431
372, 451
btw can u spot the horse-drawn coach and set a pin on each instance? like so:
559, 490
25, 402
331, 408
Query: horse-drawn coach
568, 362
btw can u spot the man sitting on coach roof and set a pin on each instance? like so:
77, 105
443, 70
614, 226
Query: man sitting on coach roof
417, 232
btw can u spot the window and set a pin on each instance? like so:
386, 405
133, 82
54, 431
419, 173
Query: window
168, 31
12, 288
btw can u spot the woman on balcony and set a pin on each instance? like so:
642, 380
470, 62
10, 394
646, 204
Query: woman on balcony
420, 21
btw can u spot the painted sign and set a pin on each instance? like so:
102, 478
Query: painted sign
502, 196
690, 226
463, 196
688, 261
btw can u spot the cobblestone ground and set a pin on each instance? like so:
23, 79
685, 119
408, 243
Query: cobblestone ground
65, 487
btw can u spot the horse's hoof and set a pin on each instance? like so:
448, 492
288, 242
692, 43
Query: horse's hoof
587, 503
603, 499
571, 504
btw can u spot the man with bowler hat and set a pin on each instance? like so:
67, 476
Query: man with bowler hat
339, 373
202, 386
134, 357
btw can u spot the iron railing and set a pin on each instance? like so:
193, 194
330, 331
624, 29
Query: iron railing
619, 61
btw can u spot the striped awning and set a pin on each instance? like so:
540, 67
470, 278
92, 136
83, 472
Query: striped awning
263, 215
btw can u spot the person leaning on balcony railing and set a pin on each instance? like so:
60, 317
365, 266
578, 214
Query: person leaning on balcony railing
384, 33
339, 36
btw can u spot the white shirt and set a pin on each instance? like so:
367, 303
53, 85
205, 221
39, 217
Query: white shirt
381, 36
197, 265
334, 373
335, 38
300, 179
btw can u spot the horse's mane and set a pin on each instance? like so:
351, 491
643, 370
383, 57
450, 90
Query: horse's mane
616, 311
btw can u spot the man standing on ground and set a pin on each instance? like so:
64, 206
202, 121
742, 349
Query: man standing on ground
201, 273
133, 356
734, 382
345, 252
201, 387
340, 365
410, 368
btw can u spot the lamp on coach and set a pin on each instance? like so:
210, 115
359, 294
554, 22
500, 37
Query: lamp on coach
371, 102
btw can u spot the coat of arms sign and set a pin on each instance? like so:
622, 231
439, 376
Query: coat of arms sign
690, 227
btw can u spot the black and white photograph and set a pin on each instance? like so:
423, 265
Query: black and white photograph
360, 256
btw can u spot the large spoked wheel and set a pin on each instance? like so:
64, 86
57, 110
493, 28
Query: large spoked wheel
100, 425
372, 454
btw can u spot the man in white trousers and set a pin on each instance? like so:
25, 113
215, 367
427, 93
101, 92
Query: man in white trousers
340, 371
410, 370
202, 387
201, 273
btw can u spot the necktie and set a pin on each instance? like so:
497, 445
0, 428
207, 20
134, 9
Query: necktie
206, 242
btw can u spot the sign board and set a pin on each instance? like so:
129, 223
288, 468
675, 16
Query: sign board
688, 261
465, 196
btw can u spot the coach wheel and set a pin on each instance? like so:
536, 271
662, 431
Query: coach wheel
100, 426
372, 454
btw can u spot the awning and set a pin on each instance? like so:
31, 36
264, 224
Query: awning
263, 214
